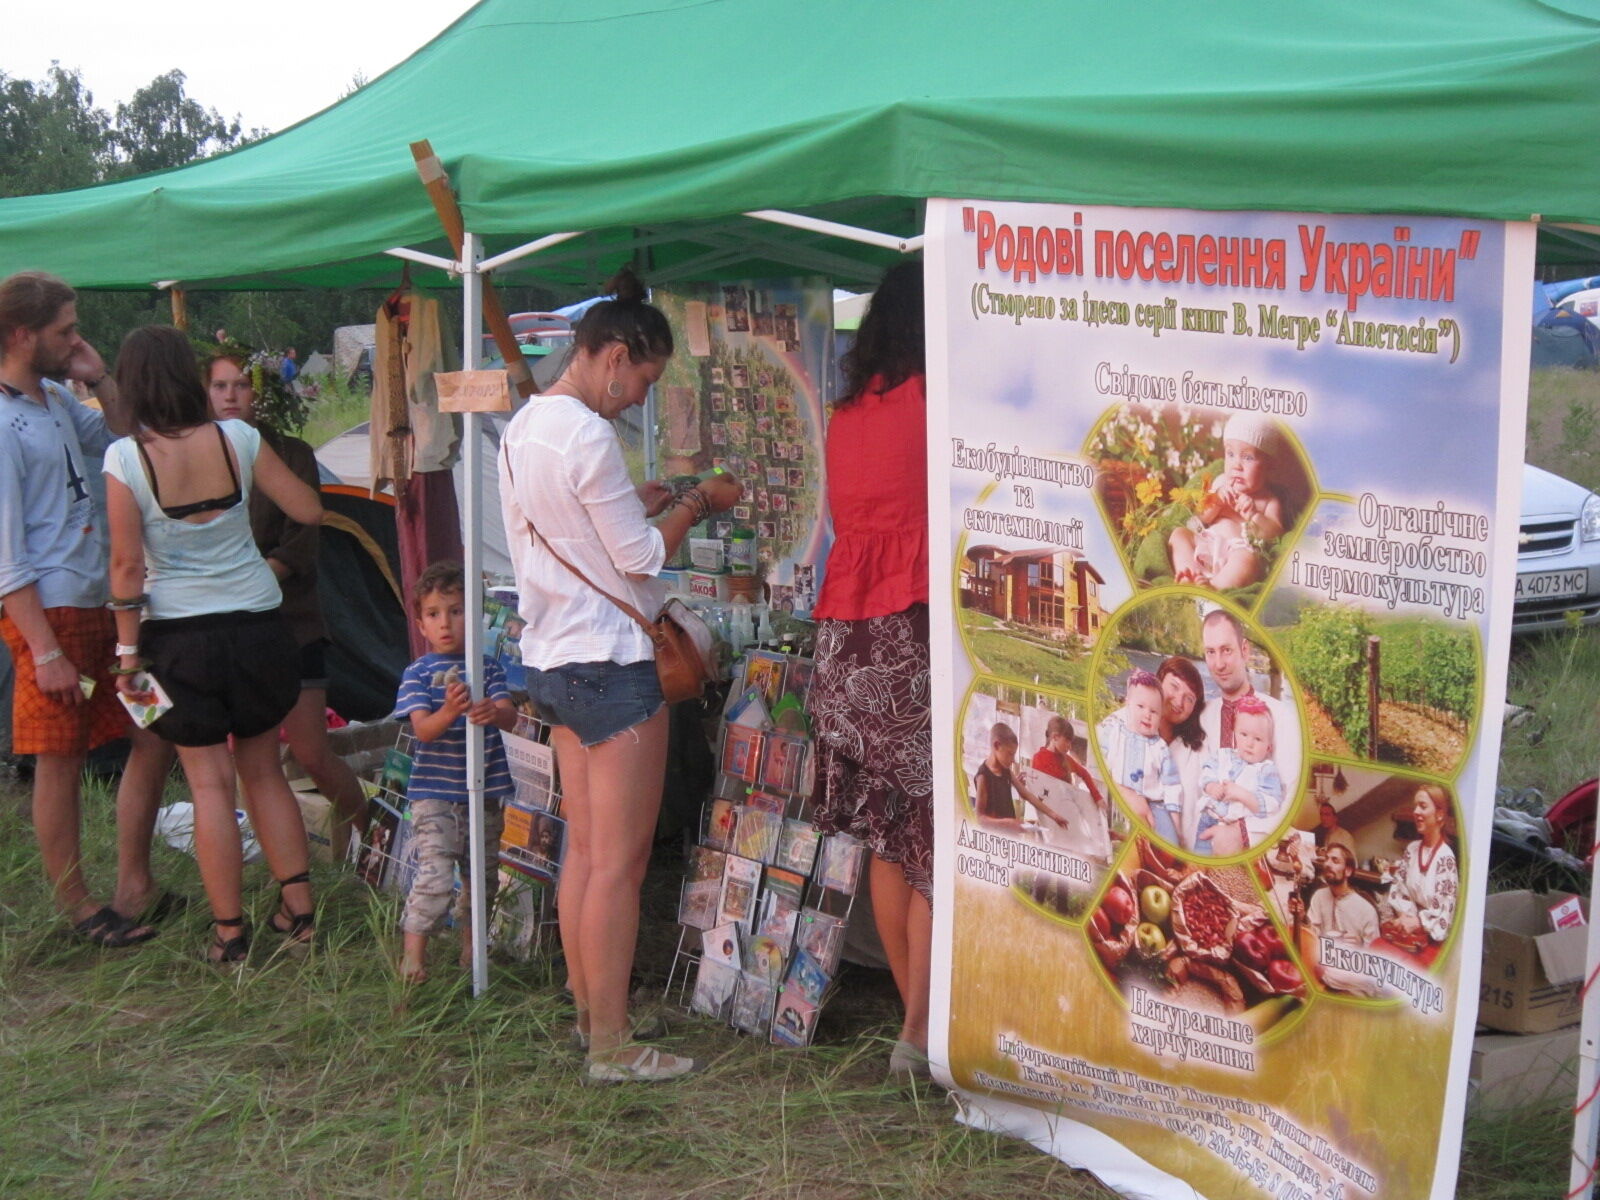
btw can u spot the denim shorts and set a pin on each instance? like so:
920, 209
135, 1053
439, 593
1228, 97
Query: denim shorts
597, 700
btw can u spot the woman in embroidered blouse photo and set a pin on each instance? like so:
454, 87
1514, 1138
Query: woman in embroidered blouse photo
198, 607
1416, 915
578, 525
871, 723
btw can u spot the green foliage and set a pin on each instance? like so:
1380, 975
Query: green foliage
52, 137
1426, 662
338, 406
1578, 427
1328, 650
1557, 440
163, 127
1170, 626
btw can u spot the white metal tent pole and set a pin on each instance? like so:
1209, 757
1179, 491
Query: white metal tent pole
472, 544
1586, 1126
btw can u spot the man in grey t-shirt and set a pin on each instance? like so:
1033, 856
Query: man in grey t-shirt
53, 563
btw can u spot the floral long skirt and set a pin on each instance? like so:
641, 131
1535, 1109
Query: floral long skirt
873, 736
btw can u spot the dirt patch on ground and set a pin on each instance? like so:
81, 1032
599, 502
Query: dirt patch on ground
1325, 735
1416, 737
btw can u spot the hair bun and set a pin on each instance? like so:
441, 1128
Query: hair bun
627, 287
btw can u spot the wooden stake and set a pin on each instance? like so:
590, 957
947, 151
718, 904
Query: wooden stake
437, 184
180, 308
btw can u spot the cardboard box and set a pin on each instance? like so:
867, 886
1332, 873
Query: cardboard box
1513, 1070
1531, 973
317, 813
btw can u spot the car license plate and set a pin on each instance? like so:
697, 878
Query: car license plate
1552, 585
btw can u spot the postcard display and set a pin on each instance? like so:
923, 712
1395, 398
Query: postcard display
766, 897
747, 391
1241, 491
534, 840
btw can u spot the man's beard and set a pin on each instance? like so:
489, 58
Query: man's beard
47, 368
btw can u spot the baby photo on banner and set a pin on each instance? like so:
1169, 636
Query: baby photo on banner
1224, 532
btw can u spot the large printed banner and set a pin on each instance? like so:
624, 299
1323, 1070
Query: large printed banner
1221, 599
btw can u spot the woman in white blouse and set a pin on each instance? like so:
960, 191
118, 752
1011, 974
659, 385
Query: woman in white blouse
565, 492
1421, 904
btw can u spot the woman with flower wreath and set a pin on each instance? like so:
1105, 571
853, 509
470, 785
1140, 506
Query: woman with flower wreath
244, 385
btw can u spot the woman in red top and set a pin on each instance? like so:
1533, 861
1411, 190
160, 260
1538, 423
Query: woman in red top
869, 698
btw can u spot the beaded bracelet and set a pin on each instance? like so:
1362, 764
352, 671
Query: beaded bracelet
127, 604
699, 505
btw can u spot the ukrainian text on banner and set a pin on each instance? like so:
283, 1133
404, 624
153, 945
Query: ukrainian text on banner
1225, 512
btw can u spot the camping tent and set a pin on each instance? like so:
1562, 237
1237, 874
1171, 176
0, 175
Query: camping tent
683, 114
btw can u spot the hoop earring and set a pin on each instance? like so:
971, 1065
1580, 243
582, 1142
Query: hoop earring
614, 389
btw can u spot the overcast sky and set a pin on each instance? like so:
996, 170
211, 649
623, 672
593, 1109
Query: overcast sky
270, 64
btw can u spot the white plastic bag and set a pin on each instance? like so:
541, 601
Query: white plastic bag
175, 826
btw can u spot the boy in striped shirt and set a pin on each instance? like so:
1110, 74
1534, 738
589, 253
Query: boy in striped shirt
433, 693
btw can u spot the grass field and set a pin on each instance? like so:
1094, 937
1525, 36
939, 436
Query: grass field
337, 408
1005, 650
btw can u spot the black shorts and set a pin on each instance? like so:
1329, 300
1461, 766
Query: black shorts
314, 665
226, 673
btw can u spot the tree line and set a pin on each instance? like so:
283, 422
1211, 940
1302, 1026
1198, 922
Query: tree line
55, 137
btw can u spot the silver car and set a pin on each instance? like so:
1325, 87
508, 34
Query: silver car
1558, 553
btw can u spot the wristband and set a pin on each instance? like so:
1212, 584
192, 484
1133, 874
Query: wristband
125, 651
40, 660
117, 668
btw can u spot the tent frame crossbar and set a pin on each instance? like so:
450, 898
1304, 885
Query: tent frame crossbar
719, 244
428, 260
849, 233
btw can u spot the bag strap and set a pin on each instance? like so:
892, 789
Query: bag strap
535, 536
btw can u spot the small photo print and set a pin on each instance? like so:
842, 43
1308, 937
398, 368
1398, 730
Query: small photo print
758, 447
783, 402
719, 402
738, 900
840, 866
766, 529
784, 764
780, 502
777, 477
752, 1004
768, 802
766, 958
741, 512
721, 945
764, 424
764, 669
821, 936
713, 989
719, 434
721, 529
718, 377
806, 974
797, 847
738, 374
794, 1020
719, 817
797, 477
756, 834
736, 319
741, 752
761, 499
702, 888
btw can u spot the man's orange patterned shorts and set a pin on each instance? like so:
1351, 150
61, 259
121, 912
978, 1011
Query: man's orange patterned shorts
41, 725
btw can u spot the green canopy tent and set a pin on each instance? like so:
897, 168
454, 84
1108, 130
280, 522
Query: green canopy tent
654, 123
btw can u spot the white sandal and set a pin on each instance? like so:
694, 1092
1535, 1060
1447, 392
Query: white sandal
650, 1065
